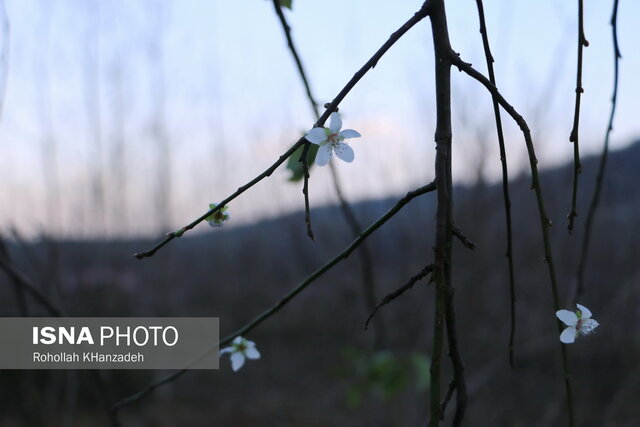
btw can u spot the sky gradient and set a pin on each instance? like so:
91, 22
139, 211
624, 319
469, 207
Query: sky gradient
96, 88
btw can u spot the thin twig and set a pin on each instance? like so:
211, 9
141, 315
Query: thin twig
284, 300
314, 107
574, 136
330, 108
456, 360
603, 159
545, 222
368, 278
445, 401
401, 290
294, 52
447, 398
238, 192
305, 189
466, 242
505, 178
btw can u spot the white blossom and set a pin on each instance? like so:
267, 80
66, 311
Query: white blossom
241, 349
332, 139
578, 322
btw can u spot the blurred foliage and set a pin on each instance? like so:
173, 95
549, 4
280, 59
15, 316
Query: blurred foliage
382, 373
295, 165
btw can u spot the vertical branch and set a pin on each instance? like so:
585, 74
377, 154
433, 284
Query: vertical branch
444, 223
573, 137
603, 158
368, 279
545, 222
505, 177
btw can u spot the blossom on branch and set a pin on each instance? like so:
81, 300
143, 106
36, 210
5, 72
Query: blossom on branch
578, 322
332, 139
218, 217
241, 349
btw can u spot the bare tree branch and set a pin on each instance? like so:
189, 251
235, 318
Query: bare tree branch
401, 290
305, 189
288, 297
466, 242
588, 228
505, 178
370, 64
545, 222
574, 136
368, 278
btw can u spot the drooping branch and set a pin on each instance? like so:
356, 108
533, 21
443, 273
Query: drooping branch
588, 228
545, 222
294, 53
289, 296
575, 131
368, 278
330, 108
314, 107
505, 178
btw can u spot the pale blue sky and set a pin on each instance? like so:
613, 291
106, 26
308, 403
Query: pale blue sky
233, 102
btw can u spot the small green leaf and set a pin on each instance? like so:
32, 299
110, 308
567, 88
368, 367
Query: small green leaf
295, 165
286, 3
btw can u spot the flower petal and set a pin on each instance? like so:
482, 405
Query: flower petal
344, 152
588, 325
586, 314
237, 360
335, 122
238, 340
226, 350
568, 336
350, 133
324, 155
568, 317
252, 353
316, 135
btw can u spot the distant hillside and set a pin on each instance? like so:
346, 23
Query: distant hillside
237, 273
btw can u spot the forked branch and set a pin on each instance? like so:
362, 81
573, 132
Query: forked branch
288, 297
